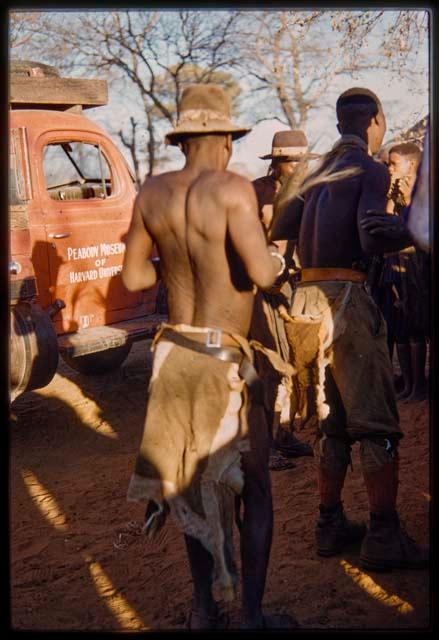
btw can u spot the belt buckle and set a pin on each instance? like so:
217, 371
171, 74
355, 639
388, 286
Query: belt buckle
213, 338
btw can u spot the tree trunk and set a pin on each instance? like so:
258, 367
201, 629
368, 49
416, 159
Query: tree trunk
151, 145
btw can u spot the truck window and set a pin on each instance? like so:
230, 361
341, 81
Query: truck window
19, 175
76, 171
14, 193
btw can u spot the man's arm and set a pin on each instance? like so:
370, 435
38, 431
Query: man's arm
138, 271
247, 236
379, 232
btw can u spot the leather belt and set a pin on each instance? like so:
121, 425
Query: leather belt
226, 353
211, 338
330, 273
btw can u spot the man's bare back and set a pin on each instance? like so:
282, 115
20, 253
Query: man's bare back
160, 218
228, 250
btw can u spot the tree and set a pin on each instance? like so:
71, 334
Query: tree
287, 63
294, 58
149, 55
21, 28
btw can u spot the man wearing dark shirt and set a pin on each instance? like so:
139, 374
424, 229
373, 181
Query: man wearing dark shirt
337, 334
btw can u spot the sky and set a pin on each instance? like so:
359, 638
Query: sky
405, 102
321, 130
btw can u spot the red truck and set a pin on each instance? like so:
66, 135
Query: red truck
71, 194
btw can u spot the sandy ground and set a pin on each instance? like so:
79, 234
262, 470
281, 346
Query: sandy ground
79, 560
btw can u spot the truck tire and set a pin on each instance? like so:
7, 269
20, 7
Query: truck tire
33, 348
99, 362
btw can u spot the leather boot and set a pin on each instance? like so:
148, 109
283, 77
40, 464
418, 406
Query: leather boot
388, 546
334, 532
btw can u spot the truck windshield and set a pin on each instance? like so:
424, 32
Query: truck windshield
75, 171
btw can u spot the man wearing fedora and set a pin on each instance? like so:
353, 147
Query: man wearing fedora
338, 335
289, 161
205, 443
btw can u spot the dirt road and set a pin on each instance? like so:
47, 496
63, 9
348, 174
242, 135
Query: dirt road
79, 561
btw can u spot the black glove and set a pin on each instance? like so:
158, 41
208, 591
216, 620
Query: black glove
379, 223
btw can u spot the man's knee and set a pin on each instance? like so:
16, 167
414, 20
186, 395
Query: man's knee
377, 451
334, 454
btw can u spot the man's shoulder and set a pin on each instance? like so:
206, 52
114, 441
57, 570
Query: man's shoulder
165, 178
221, 183
371, 167
229, 177
375, 169
368, 162
171, 182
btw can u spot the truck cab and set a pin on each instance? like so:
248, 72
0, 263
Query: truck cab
71, 198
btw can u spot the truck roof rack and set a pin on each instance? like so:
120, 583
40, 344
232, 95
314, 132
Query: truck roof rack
34, 85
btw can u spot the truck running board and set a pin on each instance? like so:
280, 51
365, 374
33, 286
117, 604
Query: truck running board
95, 339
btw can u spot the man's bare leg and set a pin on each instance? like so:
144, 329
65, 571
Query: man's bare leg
204, 610
256, 536
405, 362
257, 527
418, 352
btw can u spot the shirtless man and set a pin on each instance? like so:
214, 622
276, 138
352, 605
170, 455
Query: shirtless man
199, 452
337, 331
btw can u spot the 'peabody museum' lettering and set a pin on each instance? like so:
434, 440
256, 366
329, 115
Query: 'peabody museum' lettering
95, 251
99, 253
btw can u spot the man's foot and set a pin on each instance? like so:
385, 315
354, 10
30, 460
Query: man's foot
334, 532
278, 462
388, 546
274, 621
201, 620
290, 446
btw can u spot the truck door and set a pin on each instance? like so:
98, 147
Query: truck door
87, 197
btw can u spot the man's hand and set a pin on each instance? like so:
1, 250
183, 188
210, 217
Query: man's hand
379, 223
406, 189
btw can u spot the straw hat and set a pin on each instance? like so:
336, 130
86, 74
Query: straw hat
204, 108
289, 145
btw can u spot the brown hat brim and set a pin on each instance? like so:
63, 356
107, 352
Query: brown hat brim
306, 156
189, 129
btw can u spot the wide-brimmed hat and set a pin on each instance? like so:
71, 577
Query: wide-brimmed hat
204, 108
291, 145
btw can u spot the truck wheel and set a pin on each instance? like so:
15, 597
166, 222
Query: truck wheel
99, 362
33, 349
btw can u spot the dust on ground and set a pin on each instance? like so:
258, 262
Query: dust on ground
79, 560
